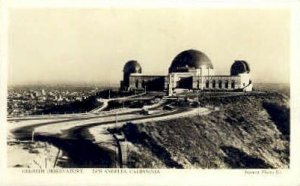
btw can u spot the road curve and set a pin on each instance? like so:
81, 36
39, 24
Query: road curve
77, 143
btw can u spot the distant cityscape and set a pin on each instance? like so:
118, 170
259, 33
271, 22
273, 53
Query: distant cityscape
24, 101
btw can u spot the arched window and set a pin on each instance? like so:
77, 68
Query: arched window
220, 83
137, 83
207, 84
214, 84
226, 84
232, 84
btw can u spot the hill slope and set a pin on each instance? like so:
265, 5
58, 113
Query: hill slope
248, 131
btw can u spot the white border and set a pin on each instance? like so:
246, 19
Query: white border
3, 84
170, 176
149, 3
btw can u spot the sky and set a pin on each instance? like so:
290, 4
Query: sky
81, 45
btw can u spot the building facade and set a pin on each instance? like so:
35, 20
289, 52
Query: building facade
190, 70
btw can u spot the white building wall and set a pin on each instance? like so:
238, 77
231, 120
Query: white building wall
203, 71
214, 82
245, 81
202, 79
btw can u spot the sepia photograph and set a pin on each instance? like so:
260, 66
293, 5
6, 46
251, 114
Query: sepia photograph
148, 88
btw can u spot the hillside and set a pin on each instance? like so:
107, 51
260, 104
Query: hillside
246, 131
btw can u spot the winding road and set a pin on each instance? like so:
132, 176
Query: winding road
72, 134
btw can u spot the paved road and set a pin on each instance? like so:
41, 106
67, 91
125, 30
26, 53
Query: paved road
25, 132
77, 143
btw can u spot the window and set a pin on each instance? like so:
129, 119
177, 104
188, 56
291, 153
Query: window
213, 84
207, 84
137, 83
226, 84
232, 84
220, 84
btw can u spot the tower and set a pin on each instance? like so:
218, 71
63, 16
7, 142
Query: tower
130, 67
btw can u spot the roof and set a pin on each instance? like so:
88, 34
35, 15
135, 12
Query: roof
147, 75
190, 59
132, 66
238, 67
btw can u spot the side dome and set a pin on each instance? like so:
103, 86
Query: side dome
190, 59
238, 67
132, 67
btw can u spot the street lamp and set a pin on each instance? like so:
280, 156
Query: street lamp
32, 136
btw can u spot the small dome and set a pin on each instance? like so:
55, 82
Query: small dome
190, 59
132, 67
238, 67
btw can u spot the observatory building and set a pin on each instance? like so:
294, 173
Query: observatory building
189, 70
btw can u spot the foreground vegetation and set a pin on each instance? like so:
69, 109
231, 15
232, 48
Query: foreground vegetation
246, 131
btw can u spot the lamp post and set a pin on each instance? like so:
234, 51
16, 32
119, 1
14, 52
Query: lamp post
32, 136
116, 118
198, 108
116, 150
201, 78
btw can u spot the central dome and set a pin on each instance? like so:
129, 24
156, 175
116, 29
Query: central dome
190, 59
